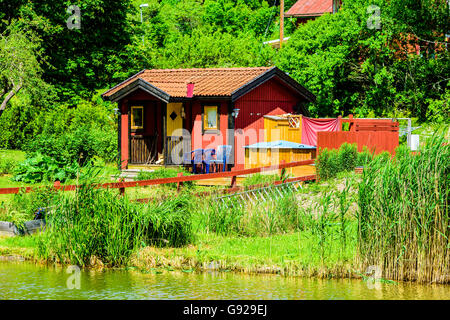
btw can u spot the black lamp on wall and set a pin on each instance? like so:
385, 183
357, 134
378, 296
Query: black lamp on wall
235, 113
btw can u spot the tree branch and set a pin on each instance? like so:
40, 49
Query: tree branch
11, 94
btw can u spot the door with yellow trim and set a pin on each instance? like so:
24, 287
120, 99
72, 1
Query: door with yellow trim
174, 136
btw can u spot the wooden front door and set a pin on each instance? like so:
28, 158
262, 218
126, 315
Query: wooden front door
143, 134
174, 135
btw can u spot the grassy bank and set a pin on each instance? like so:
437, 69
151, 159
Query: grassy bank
291, 254
393, 217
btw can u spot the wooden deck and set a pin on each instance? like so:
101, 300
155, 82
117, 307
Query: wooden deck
221, 181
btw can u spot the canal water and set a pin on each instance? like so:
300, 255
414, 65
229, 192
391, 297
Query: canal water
24, 280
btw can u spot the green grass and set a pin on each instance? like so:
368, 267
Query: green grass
258, 178
13, 155
22, 246
290, 254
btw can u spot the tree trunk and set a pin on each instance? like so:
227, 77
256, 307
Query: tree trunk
11, 94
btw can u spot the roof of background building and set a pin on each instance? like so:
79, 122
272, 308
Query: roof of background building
310, 8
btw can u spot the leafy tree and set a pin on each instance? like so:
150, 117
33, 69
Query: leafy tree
19, 66
354, 68
78, 59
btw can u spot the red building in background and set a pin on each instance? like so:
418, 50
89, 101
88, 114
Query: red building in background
305, 10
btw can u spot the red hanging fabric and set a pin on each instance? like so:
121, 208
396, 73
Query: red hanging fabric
310, 127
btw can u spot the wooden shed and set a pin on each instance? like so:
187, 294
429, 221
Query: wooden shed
274, 152
283, 127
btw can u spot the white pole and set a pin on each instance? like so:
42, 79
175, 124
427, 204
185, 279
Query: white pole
409, 133
141, 24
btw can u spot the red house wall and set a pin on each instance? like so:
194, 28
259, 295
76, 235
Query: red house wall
270, 98
208, 140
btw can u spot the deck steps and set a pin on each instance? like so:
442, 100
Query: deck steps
131, 174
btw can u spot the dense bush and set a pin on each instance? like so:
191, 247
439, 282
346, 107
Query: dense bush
79, 146
347, 156
69, 138
330, 162
327, 164
44, 168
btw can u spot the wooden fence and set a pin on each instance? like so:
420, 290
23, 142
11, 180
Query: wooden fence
179, 180
377, 141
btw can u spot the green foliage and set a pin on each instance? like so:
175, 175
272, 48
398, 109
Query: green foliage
327, 164
98, 223
78, 61
20, 69
258, 178
44, 168
7, 166
439, 109
403, 213
330, 162
276, 215
24, 205
69, 138
364, 157
354, 69
348, 156
165, 173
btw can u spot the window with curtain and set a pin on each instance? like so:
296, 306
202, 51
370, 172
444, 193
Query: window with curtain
211, 118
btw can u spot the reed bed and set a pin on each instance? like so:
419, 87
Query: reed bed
403, 221
98, 225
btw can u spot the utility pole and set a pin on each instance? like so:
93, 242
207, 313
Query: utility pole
144, 5
281, 22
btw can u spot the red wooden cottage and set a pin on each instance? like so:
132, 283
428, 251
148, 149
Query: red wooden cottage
200, 108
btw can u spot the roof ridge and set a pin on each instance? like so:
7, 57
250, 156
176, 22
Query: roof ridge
208, 69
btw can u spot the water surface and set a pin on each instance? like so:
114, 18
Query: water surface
24, 280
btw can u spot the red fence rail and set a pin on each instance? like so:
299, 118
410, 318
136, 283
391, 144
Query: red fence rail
179, 180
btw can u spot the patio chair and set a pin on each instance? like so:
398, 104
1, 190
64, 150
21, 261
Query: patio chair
194, 160
207, 159
198, 159
223, 154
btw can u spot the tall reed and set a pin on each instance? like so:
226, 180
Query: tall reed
403, 221
99, 223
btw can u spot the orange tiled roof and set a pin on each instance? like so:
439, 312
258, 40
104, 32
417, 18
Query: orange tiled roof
310, 8
207, 82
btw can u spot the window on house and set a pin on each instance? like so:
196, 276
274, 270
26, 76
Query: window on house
137, 117
211, 118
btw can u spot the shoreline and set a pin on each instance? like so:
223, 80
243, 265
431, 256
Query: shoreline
158, 260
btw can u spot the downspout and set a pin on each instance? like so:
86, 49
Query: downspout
231, 131
119, 136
